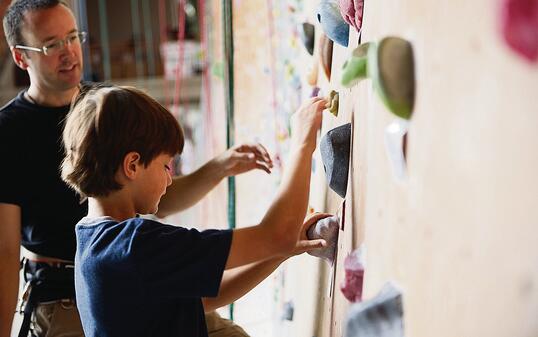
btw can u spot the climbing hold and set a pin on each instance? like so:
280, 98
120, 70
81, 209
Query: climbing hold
519, 24
351, 11
327, 229
332, 22
332, 103
312, 77
390, 65
351, 286
395, 145
287, 311
315, 92
335, 148
381, 316
307, 33
326, 54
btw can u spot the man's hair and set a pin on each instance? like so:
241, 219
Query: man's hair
14, 17
105, 124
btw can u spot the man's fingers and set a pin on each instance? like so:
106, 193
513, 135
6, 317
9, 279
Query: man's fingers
262, 166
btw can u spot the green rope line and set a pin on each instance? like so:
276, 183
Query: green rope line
229, 96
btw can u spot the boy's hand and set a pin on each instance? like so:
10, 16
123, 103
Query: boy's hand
304, 244
306, 122
243, 158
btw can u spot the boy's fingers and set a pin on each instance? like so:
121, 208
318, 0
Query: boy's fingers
315, 217
306, 245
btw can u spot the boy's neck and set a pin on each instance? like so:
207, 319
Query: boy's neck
111, 206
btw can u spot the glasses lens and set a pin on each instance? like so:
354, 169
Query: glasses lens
82, 36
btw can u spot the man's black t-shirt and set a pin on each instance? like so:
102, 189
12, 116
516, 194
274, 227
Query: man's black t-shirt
31, 152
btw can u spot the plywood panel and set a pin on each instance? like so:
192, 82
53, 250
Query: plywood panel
459, 234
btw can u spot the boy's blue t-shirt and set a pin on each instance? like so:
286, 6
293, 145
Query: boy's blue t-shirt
140, 277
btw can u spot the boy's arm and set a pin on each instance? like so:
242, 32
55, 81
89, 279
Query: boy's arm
10, 241
278, 231
187, 190
239, 281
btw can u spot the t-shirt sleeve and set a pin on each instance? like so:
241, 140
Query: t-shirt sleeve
179, 262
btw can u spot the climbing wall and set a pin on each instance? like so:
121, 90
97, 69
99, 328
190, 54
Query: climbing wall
457, 233
446, 213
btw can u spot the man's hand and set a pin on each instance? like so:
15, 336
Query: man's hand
303, 243
243, 158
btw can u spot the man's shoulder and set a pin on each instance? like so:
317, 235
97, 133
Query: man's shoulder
13, 111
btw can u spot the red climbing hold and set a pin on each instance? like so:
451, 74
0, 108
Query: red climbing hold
351, 11
519, 23
351, 287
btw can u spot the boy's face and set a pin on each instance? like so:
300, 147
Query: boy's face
152, 183
62, 70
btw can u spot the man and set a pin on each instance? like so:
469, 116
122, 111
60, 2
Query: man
37, 210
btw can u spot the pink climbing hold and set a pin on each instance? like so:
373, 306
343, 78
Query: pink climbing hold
351, 11
519, 24
351, 286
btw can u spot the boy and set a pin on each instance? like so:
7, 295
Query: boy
137, 277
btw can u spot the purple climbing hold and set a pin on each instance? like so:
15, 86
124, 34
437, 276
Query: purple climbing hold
327, 229
352, 11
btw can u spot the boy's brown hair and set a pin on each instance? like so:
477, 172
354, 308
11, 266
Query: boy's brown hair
105, 124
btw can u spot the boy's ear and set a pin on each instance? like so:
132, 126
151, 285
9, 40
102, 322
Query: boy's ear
131, 163
19, 58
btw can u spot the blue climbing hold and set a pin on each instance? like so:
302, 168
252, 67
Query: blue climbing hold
332, 22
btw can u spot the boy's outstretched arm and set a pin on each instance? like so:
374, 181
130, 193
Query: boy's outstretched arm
239, 281
187, 190
279, 230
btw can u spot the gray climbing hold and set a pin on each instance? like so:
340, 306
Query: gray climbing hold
381, 316
335, 148
327, 229
307, 33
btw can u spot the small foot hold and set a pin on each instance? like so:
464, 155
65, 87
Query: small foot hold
332, 103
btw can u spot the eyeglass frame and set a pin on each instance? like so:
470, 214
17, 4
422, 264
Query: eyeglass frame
82, 36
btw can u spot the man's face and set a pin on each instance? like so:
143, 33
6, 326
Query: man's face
61, 71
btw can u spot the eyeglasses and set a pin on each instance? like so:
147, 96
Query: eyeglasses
55, 47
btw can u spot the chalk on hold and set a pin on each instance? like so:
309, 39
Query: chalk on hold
351, 286
381, 316
326, 54
351, 11
307, 34
332, 22
390, 65
327, 229
335, 148
332, 103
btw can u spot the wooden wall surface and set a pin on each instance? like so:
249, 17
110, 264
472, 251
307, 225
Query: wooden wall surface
459, 234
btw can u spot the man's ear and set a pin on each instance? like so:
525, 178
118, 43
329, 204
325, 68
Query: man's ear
19, 58
131, 165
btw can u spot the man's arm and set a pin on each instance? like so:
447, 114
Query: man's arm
10, 241
187, 190
239, 281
